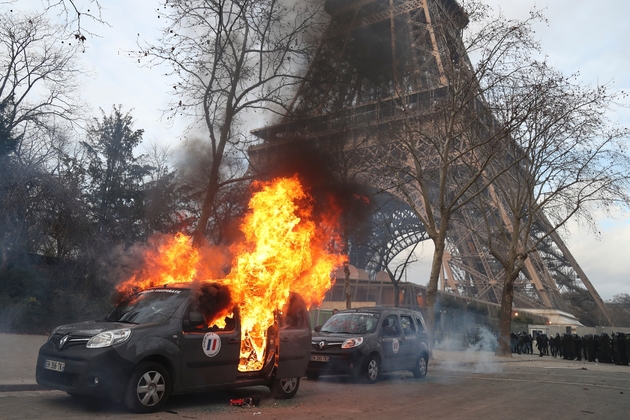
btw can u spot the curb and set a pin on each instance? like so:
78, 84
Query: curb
21, 387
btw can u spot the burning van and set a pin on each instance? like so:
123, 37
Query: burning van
158, 343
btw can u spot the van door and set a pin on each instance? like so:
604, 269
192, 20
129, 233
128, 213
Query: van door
422, 330
391, 338
294, 350
210, 355
410, 346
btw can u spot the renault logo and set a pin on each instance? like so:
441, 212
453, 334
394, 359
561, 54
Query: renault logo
321, 344
63, 340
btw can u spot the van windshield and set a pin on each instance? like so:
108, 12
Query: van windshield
154, 305
352, 323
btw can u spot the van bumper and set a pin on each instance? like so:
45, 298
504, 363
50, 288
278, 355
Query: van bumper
96, 372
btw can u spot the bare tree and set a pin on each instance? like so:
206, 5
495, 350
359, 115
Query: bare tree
37, 97
449, 138
38, 83
194, 168
400, 267
566, 160
619, 308
233, 59
72, 15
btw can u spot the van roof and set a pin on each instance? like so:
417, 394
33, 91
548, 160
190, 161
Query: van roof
380, 309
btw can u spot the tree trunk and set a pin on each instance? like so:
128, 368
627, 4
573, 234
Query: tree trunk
213, 183
505, 318
199, 235
436, 266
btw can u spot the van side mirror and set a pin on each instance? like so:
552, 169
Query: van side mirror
318, 328
196, 319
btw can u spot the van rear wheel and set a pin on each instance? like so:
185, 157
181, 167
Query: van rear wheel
284, 388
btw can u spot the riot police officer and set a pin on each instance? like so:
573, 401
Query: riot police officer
604, 349
577, 346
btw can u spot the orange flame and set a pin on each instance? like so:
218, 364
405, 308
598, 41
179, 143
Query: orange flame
168, 260
286, 249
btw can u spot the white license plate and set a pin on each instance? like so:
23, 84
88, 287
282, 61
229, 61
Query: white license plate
319, 358
54, 365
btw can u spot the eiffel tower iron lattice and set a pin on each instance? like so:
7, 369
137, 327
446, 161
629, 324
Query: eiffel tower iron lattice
378, 62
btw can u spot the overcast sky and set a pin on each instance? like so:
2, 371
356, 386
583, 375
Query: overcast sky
582, 35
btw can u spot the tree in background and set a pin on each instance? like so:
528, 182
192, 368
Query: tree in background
619, 308
161, 195
444, 146
37, 96
192, 181
232, 58
68, 214
38, 82
8, 142
67, 208
72, 15
114, 190
567, 160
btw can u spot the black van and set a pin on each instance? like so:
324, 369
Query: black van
155, 344
364, 342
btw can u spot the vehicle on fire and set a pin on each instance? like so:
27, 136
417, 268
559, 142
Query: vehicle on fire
364, 342
156, 344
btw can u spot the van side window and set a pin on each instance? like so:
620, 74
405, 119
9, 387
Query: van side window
390, 326
421, 329
292, 320
225, 324
293, 315
407, 325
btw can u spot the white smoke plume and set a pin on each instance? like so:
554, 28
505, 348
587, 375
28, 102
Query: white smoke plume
477, 357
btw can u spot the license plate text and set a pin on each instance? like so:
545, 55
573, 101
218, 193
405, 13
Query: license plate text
54, 365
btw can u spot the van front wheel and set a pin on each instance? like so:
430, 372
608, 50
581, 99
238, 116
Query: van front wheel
148, 388
284, 388
372, 369
420, 370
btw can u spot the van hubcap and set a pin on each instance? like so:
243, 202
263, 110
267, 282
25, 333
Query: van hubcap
288, 385
373, 369
422, 366
150, 389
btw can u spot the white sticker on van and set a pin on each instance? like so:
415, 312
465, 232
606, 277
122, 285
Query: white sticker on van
211, 344
395, 345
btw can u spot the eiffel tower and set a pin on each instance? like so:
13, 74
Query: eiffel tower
375, 56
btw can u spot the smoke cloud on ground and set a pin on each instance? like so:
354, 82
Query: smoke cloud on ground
475, 358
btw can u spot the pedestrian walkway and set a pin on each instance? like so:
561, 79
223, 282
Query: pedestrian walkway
18, 358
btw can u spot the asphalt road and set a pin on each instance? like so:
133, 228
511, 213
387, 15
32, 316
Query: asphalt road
526, 387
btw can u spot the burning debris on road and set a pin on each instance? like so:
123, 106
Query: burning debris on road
286, 248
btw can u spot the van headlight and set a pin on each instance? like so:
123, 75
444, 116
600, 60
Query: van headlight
352, 342
53, 332
108, 338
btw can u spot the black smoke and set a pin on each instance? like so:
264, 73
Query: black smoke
211, 299
330, 176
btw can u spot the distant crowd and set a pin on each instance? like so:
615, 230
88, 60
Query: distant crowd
602, 348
